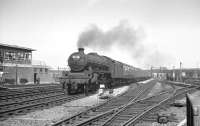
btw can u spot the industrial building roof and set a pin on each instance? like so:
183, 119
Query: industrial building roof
15, 47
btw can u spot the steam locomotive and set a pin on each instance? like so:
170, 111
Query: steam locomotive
90, 70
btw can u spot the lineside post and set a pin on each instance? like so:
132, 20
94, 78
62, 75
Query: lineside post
190, 112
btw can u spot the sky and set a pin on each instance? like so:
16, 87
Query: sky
142, 33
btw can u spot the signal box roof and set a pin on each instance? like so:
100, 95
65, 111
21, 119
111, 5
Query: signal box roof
16, 47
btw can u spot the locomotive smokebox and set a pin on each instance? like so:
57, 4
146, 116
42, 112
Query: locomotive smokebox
81, 50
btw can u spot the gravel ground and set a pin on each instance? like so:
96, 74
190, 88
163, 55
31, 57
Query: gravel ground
48, 116
155, 124
146, 81
180, 112
159, 87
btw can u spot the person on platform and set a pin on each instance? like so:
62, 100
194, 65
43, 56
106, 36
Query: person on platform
64, 86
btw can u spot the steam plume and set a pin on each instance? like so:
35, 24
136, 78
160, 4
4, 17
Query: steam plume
122, 36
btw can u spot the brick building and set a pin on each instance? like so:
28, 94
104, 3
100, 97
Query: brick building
16, 66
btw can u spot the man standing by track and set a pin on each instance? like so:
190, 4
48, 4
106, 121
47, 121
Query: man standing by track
86, 88
64, 86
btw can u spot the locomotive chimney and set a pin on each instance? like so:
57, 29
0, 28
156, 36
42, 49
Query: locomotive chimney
81, 50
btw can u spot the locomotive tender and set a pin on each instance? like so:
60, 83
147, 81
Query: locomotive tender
90, 70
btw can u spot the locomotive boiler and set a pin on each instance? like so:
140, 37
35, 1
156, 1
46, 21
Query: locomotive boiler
90, 70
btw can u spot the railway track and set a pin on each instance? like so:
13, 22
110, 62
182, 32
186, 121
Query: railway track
21, 101
9, 93
133, 112
13, 86
127, 114
173, 83
156, 106
18, 95
117, 116
109, 107
7, 110
26, 95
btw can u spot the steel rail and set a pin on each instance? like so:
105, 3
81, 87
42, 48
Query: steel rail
131, 103
32, 100
33, 106
134, 120
13, 93
16, 98
102, 109
114, 112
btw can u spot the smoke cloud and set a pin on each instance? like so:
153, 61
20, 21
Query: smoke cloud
123, 36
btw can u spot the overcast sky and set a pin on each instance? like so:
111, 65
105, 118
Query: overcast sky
167, 31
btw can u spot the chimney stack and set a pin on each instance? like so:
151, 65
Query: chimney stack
81, 50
